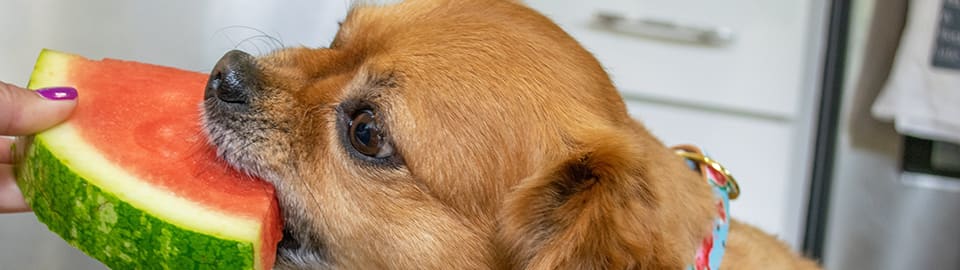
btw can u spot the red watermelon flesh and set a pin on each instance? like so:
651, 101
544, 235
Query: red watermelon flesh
135, 137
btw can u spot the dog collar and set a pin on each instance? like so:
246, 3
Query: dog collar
710, 253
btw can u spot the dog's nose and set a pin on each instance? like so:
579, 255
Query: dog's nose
233, 78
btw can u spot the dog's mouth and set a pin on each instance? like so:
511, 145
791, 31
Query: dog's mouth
227, 119
243, 136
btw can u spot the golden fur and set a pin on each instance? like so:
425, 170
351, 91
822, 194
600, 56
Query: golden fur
513, 150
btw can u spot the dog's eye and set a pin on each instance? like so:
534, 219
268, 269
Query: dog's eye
366, 137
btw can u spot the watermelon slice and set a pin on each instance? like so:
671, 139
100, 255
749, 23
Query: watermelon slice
130, 180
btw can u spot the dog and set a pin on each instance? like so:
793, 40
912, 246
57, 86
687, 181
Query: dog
473, 134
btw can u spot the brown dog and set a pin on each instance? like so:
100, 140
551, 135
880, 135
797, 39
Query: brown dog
440, 134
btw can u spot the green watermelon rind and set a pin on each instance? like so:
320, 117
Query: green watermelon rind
113, 231
59, 157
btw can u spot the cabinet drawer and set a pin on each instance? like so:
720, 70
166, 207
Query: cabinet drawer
762, 70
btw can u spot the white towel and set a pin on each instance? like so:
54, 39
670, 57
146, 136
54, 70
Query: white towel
922, 94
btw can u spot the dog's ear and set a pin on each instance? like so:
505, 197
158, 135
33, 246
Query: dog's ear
619, 201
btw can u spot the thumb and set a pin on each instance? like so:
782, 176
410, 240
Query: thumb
24, 112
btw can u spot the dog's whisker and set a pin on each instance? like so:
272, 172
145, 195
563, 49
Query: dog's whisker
272, 43
267, 43
253, 39
277, 41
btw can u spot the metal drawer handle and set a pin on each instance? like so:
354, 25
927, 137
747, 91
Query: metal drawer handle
664, 29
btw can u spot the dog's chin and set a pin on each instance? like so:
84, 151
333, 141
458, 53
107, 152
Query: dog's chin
234, 141
237, 144
292, 253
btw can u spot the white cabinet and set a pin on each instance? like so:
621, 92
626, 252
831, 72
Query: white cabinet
749, 102
762, 70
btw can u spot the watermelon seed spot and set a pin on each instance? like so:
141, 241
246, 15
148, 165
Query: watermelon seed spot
107, 217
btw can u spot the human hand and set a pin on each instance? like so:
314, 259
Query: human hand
24, 112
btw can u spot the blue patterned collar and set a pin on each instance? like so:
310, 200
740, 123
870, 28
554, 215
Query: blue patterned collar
710, 252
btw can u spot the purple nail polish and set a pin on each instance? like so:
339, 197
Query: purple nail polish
58, 93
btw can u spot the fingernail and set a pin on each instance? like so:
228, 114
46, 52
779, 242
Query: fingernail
58, 93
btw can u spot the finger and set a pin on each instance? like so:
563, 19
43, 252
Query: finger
11, 200
6, 156
25, 112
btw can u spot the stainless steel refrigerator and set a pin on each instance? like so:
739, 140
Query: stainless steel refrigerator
881, 199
